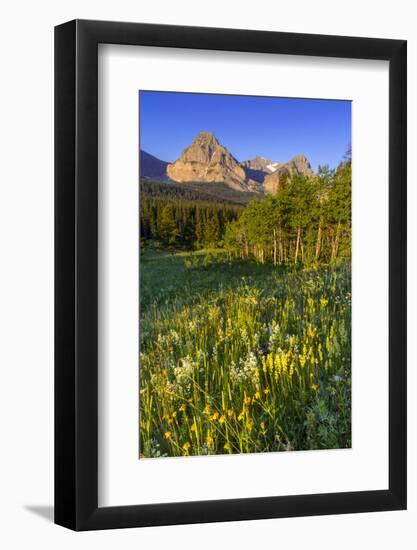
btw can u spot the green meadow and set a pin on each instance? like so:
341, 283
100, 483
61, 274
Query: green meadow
241, 356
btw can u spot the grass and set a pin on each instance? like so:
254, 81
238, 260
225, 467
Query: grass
239, 357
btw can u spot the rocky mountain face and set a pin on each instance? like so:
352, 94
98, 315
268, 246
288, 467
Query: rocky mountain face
151, 167
298, 165
206, 160
259, 167
260, 163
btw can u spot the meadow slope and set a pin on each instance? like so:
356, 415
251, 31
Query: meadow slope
242, 357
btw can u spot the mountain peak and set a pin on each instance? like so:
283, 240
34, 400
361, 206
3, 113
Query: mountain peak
298, 165
206, 137
300, 158
259, 167
206, 160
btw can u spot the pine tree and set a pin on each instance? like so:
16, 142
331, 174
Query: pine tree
167, 227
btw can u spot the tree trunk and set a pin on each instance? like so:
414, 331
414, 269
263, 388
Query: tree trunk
297, 246
335, 247
319, 237
281, 252
275, 246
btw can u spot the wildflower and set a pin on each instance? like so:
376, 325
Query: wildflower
337, 378
247, 400
274, 334
241, 416
249, 424
167, 435
222, 419
311, 331
174, 336
193, 427
210, 440
215, 416
246, 371
266, 391
186, 447
207, 409
257, 395
292, 340
262, 425
314, 387
229, 413
182, 408
226, 447
183, 373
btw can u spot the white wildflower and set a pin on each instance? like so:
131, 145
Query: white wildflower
246, 371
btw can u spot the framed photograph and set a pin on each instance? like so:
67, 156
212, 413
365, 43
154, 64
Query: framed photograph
230, 248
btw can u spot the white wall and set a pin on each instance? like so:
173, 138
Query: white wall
26, 299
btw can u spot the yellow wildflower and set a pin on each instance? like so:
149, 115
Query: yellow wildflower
193, 427
314, 387
247, 400
270, 362
222, 419
167, 435
226, 447
215, 416
262, 425
229, 413
186, 447
182, 408
266, 391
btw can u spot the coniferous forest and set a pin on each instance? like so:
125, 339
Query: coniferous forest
307, 222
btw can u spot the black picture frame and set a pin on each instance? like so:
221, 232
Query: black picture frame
76, 272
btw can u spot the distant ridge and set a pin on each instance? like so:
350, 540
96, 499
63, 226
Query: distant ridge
151, 167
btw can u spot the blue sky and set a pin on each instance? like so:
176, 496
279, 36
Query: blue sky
275, 128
